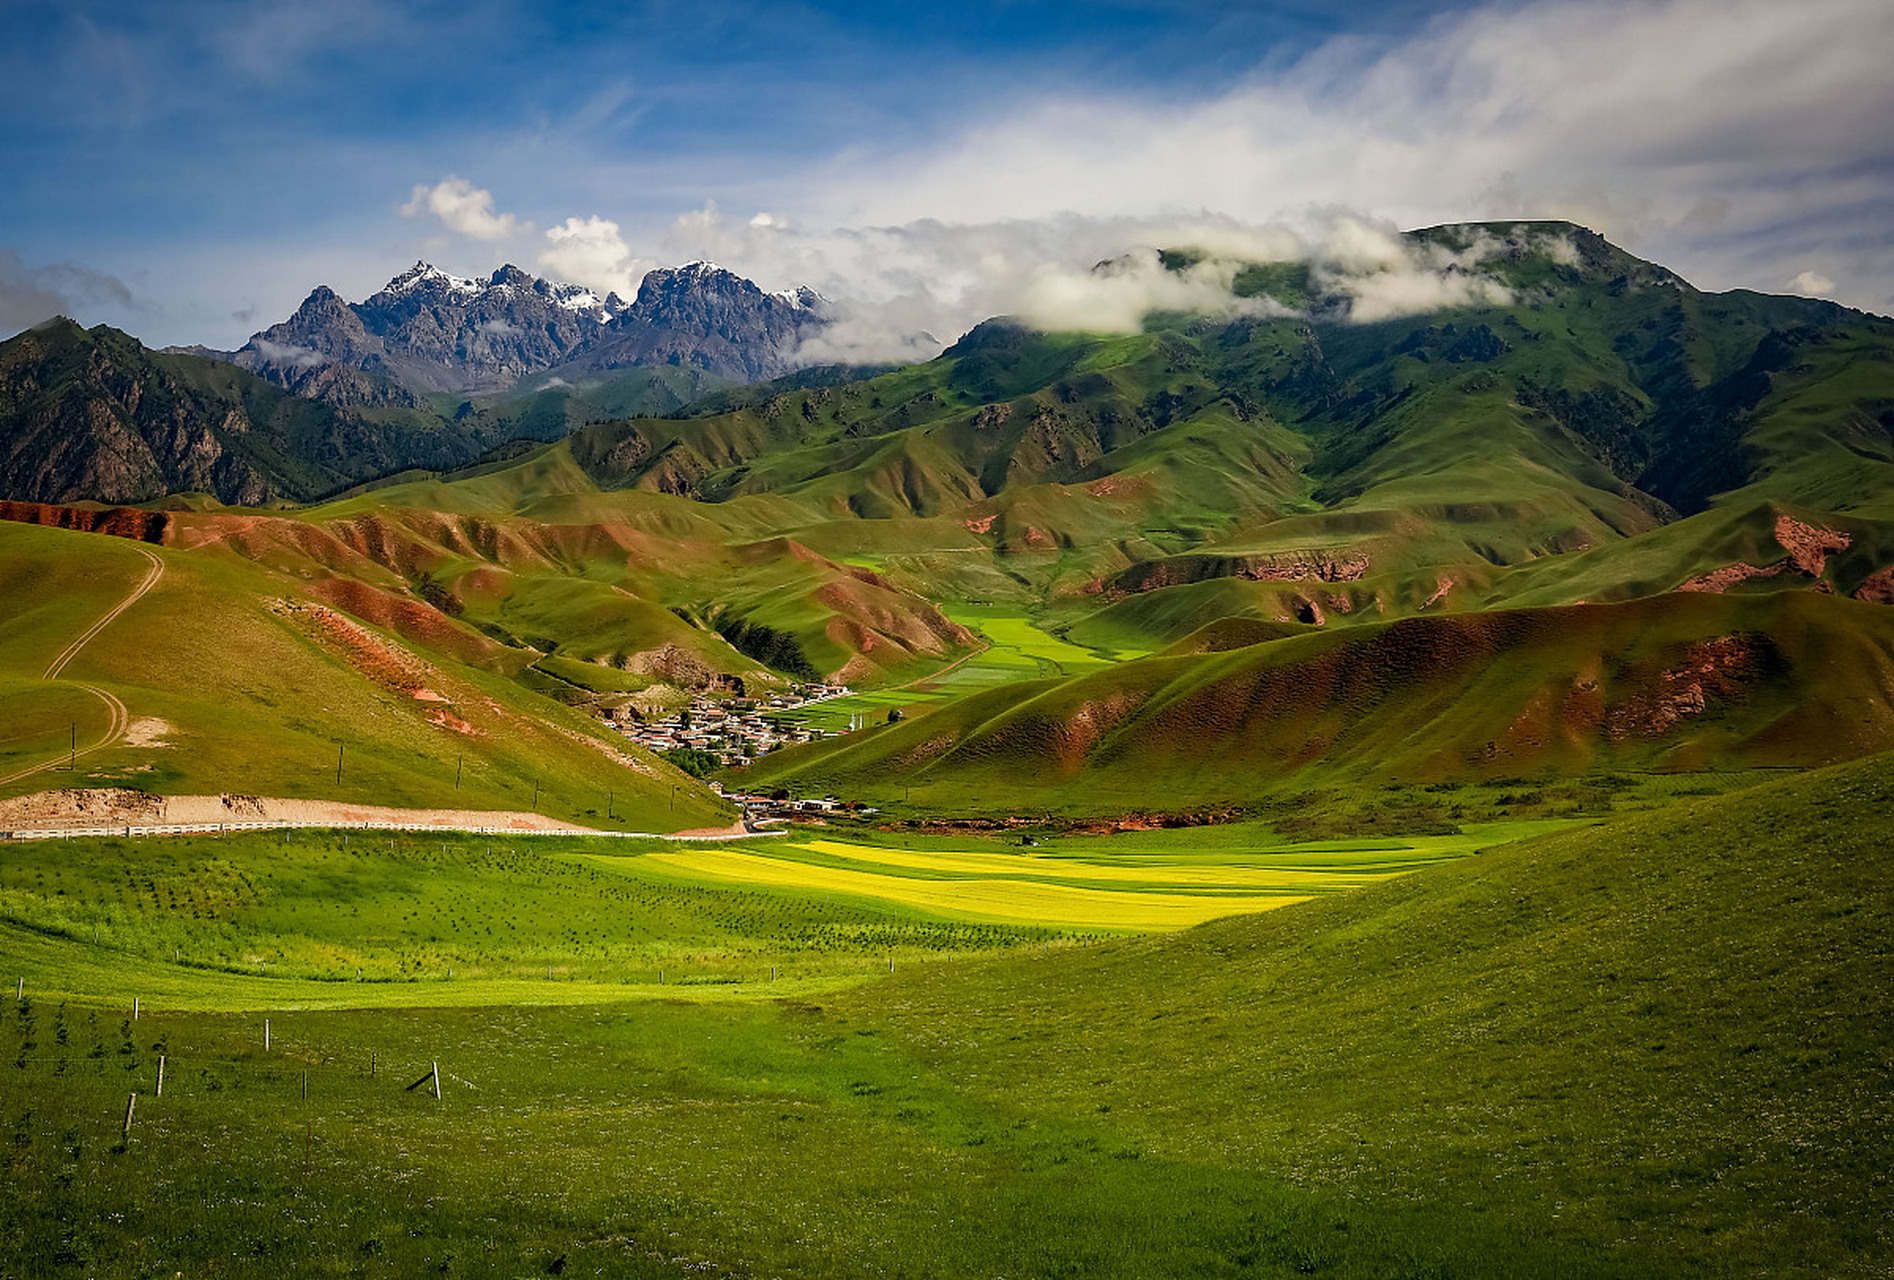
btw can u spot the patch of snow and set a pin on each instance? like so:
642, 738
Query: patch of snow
422, 273
802, 297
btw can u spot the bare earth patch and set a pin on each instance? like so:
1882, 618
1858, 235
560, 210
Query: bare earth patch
148, 732
115, 806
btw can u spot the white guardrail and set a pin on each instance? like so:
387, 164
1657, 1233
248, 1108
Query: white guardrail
220, 828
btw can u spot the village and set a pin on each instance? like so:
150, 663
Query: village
737, 730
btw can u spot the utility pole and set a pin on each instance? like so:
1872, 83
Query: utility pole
72, 757
338, 764
459, 760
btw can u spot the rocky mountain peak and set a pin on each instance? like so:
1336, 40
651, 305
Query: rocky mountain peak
428, 330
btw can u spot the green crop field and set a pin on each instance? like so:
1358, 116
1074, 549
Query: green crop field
1014, 649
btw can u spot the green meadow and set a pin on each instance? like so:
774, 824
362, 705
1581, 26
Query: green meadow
1651, 1046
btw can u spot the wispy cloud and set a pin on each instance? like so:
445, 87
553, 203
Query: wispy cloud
288, 353
1740, 142
29, 295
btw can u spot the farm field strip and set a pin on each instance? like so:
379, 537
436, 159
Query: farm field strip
1098, 888
1027, 867
1011, 900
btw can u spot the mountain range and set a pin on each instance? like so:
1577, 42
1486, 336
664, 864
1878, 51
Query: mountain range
431, 331
1584, 473
377, 387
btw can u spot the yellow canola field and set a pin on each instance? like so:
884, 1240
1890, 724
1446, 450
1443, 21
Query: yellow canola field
1264, 879
1167, 903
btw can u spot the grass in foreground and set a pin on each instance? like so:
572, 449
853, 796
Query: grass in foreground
1654, 1047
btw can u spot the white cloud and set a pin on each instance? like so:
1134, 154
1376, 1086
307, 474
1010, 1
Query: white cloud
1115, 296
465, 209
1732, 140
1383, 275
591, 251
287, 353
902, 293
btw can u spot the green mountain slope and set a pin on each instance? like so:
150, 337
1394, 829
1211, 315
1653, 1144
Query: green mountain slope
1372, 468
1677, 682
1578, 428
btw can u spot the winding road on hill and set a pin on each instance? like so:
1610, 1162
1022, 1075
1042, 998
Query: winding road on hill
120, 717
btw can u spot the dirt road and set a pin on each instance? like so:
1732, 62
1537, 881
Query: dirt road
120, 718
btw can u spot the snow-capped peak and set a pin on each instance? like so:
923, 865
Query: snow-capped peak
802, 297
422, 273
578, 298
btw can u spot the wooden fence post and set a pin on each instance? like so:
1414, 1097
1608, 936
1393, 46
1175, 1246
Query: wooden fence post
159, 1091
134, 1008
266, 1035
432, 1077
131, 1104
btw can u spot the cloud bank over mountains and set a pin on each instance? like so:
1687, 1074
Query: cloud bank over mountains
1730, 138
926, 179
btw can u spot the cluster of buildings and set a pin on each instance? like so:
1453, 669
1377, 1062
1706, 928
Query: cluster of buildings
736, 729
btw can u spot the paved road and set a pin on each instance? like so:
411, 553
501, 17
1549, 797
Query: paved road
120, 717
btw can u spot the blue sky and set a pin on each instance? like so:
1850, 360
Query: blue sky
189, 169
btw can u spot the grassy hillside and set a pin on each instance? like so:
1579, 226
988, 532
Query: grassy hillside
1655, 1046
237, 679
1681, 682
1649, 1048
